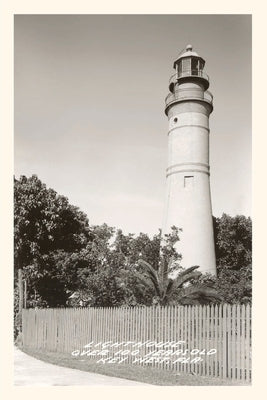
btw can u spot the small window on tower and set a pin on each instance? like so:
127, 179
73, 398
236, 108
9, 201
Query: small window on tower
188, 182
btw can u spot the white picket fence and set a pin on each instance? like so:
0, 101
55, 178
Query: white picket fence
219, 335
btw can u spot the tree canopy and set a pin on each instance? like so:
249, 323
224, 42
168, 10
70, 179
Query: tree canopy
233, 247
44, 221
233, 241
46, 228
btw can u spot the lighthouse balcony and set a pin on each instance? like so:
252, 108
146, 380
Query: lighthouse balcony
192, 74
184, 95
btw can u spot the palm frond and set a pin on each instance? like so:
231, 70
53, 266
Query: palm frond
200, 294
184, 277
167, 288
147, 266
164, 269
152, 274
144, 280
188, 270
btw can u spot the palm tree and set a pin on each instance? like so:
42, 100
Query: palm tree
169, 290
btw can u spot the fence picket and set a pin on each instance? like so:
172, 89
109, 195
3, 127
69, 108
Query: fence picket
238, 343
248, 344
243, 349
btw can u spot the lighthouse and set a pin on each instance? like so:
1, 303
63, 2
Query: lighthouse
188, 198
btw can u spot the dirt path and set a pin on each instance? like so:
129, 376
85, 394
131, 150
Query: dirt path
29, 371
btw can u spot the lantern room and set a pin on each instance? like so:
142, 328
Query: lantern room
189, 66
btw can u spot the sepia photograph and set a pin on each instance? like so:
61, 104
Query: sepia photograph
132, 200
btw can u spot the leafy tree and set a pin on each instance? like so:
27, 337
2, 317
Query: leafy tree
233, 245
235, 286
233, 241
133, 248
105, 276
99, 283
80, 271
44, 223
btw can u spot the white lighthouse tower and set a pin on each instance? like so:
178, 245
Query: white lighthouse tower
188, 199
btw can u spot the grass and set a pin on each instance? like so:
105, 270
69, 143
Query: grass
137, 373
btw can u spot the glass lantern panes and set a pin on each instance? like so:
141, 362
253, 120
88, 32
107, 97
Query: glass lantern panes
186, 66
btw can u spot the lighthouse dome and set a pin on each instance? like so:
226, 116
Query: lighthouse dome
188, 52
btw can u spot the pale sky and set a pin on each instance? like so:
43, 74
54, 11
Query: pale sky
89, 109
